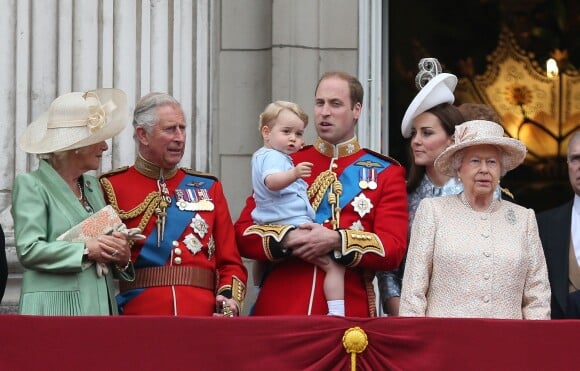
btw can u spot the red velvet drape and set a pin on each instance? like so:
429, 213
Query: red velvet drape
283, 343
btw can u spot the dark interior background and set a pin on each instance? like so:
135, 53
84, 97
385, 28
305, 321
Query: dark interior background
461, 34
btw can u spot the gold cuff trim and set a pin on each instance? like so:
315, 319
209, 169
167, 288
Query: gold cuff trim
267, 250
362, 242
277, 232
238, 290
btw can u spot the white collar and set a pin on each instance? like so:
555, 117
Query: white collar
575, 227
576, 205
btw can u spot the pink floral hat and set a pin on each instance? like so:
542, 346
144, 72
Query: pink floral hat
476, 132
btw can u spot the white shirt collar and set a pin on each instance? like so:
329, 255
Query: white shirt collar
575, 227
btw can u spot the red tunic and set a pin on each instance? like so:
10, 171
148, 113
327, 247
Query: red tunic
130, 189
287, 288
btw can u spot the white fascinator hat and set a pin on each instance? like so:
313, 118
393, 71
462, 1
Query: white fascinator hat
435, 88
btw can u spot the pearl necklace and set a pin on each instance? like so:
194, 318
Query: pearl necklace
466, 203
84, 201
80, 190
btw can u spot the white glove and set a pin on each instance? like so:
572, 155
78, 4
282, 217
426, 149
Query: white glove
102, 269
133, 234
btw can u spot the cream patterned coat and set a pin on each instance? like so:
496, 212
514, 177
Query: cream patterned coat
463, 263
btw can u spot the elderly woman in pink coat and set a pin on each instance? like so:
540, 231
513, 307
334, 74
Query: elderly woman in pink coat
472, 255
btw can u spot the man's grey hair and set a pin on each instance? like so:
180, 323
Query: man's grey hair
145, 114
575, 137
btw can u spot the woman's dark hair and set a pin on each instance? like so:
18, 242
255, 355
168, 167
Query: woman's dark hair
449, 116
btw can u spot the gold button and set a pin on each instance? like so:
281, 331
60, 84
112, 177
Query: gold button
177, 260
177, 251
334, 165
175, 243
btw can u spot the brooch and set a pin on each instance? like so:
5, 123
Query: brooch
510, 216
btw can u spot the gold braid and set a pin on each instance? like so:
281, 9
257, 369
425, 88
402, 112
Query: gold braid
337, 188
318, 188
147, 207
325, 180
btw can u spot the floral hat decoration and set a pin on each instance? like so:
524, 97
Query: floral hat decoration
476, 132
76, 120
435, 88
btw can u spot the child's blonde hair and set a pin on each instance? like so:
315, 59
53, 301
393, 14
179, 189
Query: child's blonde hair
273, 109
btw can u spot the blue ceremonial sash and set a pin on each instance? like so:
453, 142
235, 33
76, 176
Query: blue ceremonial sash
175, 223
124, 297
350, 188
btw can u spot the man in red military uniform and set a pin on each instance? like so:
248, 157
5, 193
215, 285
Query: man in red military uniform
361, 215
189, 263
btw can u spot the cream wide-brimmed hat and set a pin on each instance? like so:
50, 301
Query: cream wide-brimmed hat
476, 132
76, 120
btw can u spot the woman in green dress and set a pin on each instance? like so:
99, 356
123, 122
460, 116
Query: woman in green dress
62, 277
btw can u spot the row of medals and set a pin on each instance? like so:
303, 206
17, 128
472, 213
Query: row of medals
193, 200
368, 179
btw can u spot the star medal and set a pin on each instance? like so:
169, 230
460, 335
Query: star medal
199, 225
362, 205
210, 248
357, 226
193, 243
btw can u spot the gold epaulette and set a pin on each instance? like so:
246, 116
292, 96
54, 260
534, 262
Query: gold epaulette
198, 173
114, 171
384, 157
